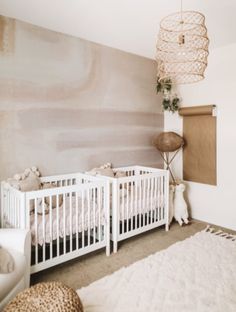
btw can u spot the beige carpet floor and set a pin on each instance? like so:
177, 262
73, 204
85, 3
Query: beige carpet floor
84, 270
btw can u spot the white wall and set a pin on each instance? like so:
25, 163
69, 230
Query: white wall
128, 25
215, 204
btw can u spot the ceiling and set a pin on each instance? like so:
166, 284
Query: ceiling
129, 25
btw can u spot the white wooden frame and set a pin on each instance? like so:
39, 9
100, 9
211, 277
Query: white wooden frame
92, 191
153, 185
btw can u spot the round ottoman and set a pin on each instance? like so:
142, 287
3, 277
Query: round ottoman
43, 297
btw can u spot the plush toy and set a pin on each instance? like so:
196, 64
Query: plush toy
28, 171
104, 170
171, 202
180, 206
106, 166
26, 182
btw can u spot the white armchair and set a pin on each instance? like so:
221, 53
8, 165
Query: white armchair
18, 244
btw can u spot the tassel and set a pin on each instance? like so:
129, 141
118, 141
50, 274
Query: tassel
220, 233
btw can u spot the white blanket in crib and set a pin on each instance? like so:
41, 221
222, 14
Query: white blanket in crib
66, 221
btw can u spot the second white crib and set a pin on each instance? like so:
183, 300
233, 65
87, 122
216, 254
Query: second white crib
139, 201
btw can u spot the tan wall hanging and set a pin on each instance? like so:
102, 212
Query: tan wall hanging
199, 154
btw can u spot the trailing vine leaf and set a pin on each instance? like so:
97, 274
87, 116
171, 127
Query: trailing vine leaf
169, 102
167, 84
175, 104
159, 86
166, 104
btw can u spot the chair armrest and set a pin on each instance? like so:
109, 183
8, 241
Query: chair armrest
16, 239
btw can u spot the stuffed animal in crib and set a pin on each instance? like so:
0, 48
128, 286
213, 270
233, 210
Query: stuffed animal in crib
180, 206
27, 180
171, 202
105, 170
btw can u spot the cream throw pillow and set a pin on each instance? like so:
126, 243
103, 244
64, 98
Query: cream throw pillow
6, 261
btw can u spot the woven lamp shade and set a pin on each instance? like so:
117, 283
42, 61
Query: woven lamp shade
168, 142
182, 47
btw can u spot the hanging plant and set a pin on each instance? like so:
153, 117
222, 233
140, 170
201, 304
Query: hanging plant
170, 101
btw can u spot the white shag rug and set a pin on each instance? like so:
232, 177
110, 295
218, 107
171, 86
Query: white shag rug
195, 275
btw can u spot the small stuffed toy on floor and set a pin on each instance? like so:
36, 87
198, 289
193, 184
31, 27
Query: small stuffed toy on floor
180, 206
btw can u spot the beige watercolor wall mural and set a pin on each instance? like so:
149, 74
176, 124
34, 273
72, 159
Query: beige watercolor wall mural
67, 104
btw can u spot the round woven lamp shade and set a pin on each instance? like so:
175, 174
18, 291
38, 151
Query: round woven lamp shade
182, 47
168, 142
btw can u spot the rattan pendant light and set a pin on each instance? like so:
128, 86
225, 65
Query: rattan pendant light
182, 47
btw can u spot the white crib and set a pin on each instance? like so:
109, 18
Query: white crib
139, 201
77, 225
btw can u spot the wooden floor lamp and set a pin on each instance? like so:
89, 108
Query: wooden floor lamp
169, 144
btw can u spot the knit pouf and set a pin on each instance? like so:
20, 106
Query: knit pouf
44, 297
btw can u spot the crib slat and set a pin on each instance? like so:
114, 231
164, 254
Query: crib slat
13, 211
132, 204
76, 221
163, 198
71, 224
36, 229
58, 235
127, 206
94, 222
99, 213
155, 199
64, 223
10, 205
160, 198
136, 204
151, 201
123, 208
83, 199
147, 202
44, 240
51, 226
141, 203
89, 200
17, 212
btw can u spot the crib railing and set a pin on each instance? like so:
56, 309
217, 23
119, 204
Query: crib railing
12, 207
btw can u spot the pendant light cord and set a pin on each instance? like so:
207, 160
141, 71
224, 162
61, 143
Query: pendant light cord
181, 10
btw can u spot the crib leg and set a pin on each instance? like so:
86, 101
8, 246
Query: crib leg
115, 246
167, 227
108, 250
